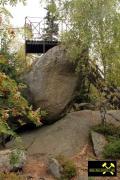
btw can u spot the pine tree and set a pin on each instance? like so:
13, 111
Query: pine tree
50, 32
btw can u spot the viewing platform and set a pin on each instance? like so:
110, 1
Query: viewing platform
38, 46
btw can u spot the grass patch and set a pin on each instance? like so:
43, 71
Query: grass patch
107, 130
11, 176
112, 134
112, 149
69, 168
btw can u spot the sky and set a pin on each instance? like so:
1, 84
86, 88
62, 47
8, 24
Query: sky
33, 8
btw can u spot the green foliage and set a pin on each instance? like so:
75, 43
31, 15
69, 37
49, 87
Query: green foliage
28, 31
22, 62
108, 130
93, 38
69, 168
14, 106
112, 133
95, 26
112, 150
18, 143
7, 65
15, 157
51, 29
94, 95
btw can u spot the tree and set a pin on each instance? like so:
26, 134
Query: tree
50, 31
95, 26
93, 40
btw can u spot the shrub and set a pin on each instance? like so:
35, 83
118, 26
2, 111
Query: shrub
112, 150
69, 168
112, 133
14, 107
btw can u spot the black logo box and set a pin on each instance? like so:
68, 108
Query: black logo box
97, 165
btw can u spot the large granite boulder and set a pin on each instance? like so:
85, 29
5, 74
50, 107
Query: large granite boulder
52, 82
67, 137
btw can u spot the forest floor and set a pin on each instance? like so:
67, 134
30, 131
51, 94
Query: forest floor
37, 169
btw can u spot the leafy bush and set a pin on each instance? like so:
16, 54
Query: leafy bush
7, 64
112, 150
15, 111
69, 168
13, 106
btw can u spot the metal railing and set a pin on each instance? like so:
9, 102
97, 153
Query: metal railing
37, 25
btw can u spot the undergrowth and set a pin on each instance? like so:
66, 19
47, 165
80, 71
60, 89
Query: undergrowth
112, 149
69, 168
107, 130
112, 134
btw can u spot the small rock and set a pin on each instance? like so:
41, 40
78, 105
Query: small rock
55, 168
11, 160
99, 143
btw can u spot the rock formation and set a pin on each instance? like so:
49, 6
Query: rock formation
52, 82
